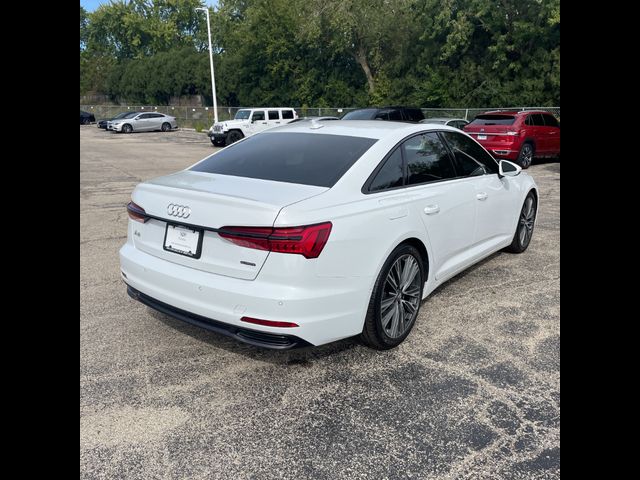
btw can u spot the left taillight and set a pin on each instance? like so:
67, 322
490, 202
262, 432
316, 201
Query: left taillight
308, 241
137, 213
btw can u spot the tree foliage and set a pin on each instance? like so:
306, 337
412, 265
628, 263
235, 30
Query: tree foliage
464, 53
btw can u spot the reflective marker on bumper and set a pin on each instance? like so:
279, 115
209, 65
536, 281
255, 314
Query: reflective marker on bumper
269, 323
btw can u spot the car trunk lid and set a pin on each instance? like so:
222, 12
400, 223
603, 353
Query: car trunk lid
206, 202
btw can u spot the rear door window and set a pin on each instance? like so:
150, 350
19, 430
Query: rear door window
537, 119
274, 115
413, 114
550, 120
304, 158
427, 159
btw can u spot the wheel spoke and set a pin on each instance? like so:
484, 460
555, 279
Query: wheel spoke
395, 321
388, 317
413, 292
386, 303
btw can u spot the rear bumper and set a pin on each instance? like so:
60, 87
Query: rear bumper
325, 308
501, 152
246, 335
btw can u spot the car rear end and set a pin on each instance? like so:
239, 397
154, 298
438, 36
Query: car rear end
208, 248
172, 121
499, 133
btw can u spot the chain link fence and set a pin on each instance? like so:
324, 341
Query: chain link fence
201, 118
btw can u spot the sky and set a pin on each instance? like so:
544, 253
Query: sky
91, 5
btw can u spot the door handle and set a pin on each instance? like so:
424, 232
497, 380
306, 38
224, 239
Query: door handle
481, 196
431, 209
264, 123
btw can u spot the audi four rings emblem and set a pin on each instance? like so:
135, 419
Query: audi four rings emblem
181, 211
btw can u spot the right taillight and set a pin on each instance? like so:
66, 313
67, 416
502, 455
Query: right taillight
137, 213
308, 241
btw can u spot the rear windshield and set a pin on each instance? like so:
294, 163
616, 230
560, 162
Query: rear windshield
364, 114
305, 158
493, 120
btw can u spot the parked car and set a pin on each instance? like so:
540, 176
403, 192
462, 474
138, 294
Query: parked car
86, 118
312, 119
103, 123
303, 235
458, 123
247, 122
143, 122
400, 114
518, 136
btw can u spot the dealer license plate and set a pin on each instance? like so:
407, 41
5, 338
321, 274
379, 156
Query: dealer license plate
183, 240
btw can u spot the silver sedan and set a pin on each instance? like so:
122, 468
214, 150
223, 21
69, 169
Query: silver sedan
143, 122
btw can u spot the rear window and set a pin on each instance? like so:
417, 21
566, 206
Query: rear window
305, 158
493, 120
287, 114
364, 114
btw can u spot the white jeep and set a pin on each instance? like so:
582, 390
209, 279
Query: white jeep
249, 121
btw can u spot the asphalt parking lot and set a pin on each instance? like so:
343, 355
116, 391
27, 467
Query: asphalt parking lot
474, 392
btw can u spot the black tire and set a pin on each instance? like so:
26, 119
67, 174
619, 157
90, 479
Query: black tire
525, 157
126, 128
217, 143
166, 126
234, 136
374, 334
526, 220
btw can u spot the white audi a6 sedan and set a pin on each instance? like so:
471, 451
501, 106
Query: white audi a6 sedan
313, 232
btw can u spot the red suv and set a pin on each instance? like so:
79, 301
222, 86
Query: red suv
517, 136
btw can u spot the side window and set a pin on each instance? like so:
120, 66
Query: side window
382, 116
427, 159
395, 115
257, 116
390, 175
413, 114
528, 120
273, 115
538, 121
287, 114
465, 149
550, 120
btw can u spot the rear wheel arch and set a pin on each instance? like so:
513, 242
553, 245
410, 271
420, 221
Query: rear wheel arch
418, 245
532, 141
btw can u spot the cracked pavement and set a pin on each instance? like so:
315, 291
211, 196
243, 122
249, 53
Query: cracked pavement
473, 393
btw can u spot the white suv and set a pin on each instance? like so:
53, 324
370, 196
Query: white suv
247, 122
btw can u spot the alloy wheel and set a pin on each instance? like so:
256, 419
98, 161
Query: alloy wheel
527, 220
527, 155
401, 296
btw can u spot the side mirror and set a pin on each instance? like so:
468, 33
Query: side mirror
508, 169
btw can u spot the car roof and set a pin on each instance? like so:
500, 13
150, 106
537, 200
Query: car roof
443, 119
360, 128
513, 112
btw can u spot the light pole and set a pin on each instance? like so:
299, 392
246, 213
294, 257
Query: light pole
213, 78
